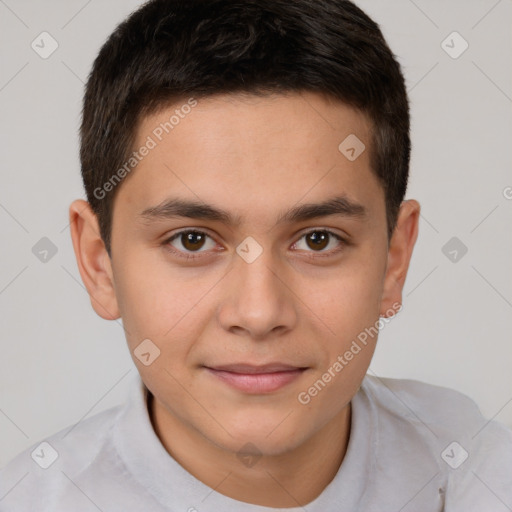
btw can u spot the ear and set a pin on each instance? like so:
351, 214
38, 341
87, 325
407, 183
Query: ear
93, 260
399, 254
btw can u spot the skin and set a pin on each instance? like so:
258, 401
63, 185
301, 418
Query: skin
296, 304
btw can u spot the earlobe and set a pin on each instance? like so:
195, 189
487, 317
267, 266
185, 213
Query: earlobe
399, 255
93, 260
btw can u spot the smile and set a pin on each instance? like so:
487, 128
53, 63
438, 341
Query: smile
256, 379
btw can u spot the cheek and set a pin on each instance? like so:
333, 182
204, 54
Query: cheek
348, 300
144, 299
161, 303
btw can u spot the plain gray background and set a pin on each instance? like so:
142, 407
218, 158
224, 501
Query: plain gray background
60, 363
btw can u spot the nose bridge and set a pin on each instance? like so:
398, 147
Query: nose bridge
256, 275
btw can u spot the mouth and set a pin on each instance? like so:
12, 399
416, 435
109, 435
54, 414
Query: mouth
256, 379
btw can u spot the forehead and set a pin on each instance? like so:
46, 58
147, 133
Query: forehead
249, 154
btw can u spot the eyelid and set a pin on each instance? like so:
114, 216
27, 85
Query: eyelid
343, 236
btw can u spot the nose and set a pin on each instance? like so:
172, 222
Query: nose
260, 302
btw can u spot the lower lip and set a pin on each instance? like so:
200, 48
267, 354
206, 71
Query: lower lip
259, 382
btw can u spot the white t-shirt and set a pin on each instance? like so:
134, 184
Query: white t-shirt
413, 447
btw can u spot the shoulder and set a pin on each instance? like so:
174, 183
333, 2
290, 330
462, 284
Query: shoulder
418, 401
472, 454
32, 479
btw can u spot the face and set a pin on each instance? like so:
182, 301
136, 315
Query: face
259, 295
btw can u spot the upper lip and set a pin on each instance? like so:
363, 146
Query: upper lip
255, 369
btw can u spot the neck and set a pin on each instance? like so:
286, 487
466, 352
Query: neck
290, 479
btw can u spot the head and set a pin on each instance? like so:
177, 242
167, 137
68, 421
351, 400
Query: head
245, 164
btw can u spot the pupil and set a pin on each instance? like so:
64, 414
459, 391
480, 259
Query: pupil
190, 240
318, 238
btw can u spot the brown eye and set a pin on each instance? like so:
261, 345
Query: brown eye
191, 241
318, 240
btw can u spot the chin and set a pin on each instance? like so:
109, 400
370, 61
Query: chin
257, 441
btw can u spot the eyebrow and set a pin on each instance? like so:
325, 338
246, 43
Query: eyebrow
175, 207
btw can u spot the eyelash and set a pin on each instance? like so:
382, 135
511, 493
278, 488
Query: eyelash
194, 256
